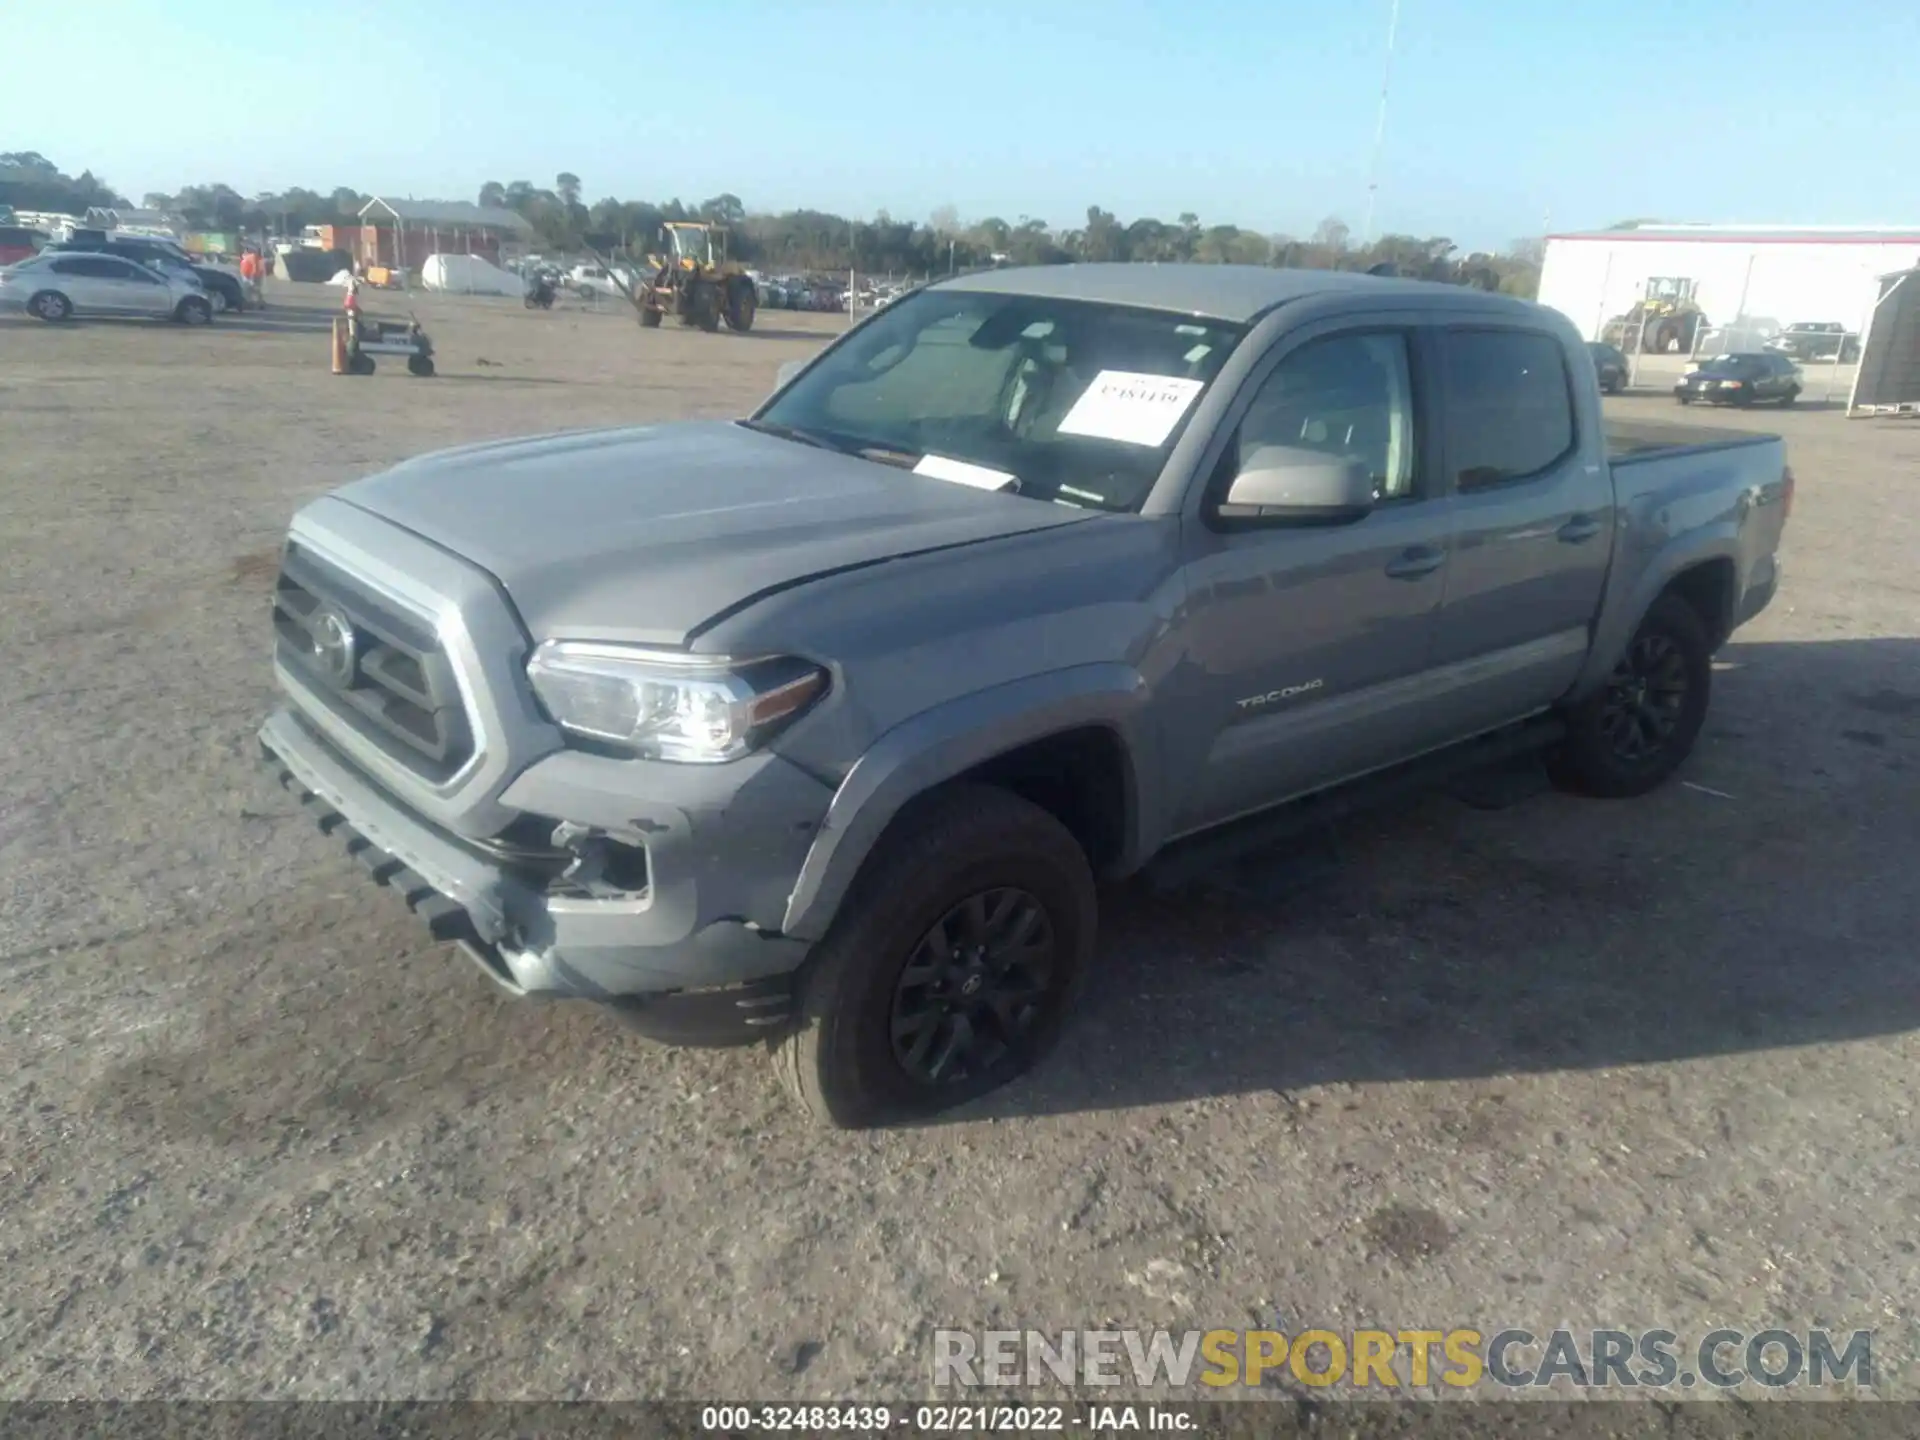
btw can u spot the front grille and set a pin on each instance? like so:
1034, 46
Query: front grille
382, 672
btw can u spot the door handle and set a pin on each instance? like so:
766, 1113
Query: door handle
1412, 563
1579, 530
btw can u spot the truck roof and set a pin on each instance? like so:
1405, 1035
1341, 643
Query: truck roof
1236, 293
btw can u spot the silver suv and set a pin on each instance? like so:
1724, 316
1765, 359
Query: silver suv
58, 286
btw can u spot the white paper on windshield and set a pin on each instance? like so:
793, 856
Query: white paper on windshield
961, 473
1128, 406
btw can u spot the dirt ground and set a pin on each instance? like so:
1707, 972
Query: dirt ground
1635, 1065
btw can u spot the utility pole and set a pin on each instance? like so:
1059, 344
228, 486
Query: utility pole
1380, 126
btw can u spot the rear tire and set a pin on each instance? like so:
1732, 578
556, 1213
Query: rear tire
650, 319
50, 306
901, 1013
1684, 399
360, 365
1631, 734
221, 304
420, 365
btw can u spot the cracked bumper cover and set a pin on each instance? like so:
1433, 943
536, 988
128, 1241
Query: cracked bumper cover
673, 964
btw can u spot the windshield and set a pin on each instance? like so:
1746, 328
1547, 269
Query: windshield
691, 245
1063, 400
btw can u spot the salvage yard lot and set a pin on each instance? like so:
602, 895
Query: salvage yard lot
1640, 1064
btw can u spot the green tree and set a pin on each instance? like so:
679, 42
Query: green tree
724, 210
1103, 239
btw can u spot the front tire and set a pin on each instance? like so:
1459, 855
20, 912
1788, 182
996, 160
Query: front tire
50, 306
951, 967
193, 311
1632, 734
704, 306
742, 303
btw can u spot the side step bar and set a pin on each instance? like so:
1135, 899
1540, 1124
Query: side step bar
1185, 861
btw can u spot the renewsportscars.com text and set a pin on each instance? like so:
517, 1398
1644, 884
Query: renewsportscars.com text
1374, 1359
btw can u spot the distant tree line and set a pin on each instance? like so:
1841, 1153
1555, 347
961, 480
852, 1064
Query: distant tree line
819, 241
30, 181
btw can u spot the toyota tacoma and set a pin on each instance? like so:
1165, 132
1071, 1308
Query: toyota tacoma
820, 727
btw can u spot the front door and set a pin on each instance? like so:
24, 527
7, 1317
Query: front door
1306, 644
147, 291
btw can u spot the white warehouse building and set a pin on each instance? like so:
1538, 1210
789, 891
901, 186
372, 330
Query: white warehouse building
1747, 281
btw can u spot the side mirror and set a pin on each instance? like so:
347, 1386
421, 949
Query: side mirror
787, 371
1286, 484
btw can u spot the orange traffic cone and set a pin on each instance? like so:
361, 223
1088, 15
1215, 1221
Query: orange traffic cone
339, 344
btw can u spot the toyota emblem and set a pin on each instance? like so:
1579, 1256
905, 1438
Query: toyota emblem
335, 646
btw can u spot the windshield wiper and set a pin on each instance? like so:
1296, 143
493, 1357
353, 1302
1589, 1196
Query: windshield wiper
887, 455
792, 432
881, 454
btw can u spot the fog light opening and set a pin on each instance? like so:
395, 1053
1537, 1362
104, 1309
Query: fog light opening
602, 866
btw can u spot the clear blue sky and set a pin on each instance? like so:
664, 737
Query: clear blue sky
1258, 112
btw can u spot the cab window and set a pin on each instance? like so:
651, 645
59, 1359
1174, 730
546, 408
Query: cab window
1346, 395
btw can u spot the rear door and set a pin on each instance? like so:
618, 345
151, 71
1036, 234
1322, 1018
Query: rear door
92, 283
1533, 524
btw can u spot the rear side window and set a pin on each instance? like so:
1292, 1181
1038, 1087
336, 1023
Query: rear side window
1509, 406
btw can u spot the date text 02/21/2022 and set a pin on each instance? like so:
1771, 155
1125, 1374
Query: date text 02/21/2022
939, 1419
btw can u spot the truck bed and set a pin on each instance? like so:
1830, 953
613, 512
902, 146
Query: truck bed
1630, 440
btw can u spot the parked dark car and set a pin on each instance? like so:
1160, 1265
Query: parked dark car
223, 290
1610, 365
1817, 340
1745, 379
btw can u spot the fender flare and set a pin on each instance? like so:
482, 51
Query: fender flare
1618, 619
952, 738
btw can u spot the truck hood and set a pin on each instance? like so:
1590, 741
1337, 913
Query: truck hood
649, 534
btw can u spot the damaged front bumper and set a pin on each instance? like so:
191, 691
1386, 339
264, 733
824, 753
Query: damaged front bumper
680, 956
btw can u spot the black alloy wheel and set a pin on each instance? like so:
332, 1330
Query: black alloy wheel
973, 987
951, 965
1646, 698
1632, 732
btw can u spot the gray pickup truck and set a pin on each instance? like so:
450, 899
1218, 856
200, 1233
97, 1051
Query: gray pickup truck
820, 727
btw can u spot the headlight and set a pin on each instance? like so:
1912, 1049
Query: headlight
664, 705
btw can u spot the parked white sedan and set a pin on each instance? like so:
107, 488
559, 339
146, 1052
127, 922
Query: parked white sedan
59, 285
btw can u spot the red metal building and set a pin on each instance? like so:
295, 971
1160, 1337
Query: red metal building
401, 234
